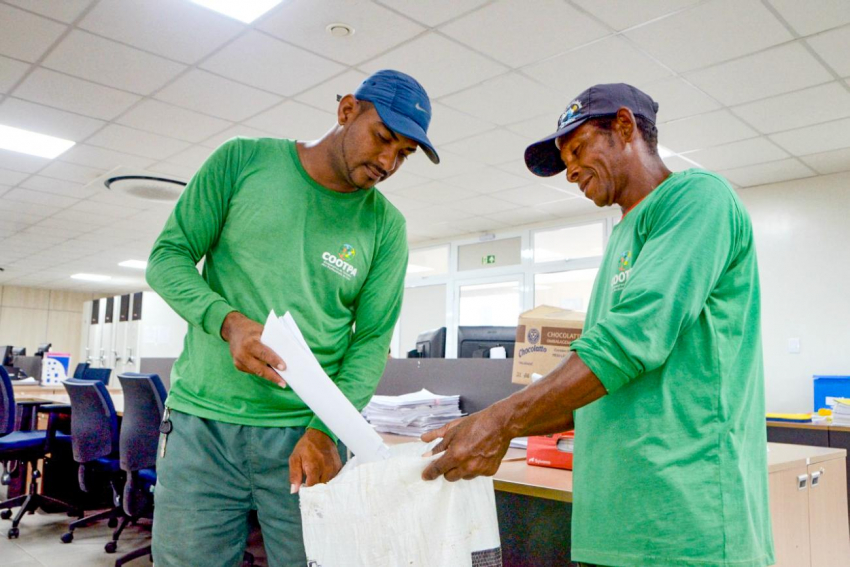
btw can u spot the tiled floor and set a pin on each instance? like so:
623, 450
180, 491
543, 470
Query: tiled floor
39, 544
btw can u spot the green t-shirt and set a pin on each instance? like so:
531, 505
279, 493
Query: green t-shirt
273, 238
671, 465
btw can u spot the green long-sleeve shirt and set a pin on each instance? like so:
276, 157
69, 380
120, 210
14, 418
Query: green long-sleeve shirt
671, 465
273, 238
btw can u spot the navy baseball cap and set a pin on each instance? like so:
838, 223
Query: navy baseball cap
402, 104
543, 158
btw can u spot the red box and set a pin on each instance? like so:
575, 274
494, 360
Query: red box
555, 451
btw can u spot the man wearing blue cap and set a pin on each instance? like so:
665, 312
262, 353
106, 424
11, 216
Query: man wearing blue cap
285, 226
666, 391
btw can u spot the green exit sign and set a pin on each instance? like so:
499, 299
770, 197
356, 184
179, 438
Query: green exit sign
489, 259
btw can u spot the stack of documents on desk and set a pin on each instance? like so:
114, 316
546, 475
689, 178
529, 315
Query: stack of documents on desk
841, 412
412, 414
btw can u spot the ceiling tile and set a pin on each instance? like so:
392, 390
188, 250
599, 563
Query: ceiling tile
535, 194
71, 172
710, 33
482, 205
97, 208
75, 95
572, 207
34, 210
9, 177
520, 216
250, 58
491, 148
183, 31
678, 99
85, 219
450, 164
324, 95
161, 118
738, 154
505, 31
832, 135
46, 120
703, 131
807, 19
53, 225
21, 162
795, 110
435, 193
448, 125
476, 224
192, 157
66, 11
425, 13
102, 158
11, 72
39, 198
676, 163
765, 173
537, 127
488, 181
239, 130
621, 15
137, 142
207, 93
829, 162
401, 179
303, 23
779, 70
103, 61
405, 204
439, 64
832, 46
294, 120
179, 171
506, 99
438, 213
24, 35
103, 195
58, 187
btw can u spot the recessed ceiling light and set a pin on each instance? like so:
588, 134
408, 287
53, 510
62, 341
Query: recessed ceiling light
340, 30
414, 269
665, 152
137, 264
243, 10
91, 277
32, 143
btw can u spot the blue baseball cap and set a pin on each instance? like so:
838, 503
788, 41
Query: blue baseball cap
402, 104
543, 158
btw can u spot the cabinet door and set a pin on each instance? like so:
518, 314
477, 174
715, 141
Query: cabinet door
830, 534
789, 514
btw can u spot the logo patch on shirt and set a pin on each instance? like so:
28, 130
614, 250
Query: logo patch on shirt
618, 282
340, 263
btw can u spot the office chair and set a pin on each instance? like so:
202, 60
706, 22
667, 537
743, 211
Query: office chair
80, 370
99, 374
23, 447
94, 443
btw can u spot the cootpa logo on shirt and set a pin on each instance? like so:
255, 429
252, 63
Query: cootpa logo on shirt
337, 262
625, 267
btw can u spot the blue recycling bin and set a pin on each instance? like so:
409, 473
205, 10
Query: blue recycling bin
827, 387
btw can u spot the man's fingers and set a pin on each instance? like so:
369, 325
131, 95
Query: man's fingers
313, 474
268, 356
295, 473
261, 369
429, 436
438, 467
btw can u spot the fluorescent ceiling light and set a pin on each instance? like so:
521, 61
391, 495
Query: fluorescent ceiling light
137, 264
665, 152
243, 10
414, 269
91, 277
26, 142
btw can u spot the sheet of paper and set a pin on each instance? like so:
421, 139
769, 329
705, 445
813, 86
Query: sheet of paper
306, 377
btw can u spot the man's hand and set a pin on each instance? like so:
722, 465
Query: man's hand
473, 446
249, 354
316, 457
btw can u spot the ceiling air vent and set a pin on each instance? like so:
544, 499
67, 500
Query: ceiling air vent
140, 184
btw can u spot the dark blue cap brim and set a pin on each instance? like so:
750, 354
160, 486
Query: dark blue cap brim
543, 158
401, 124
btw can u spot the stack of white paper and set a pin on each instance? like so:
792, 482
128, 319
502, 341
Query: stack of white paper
412, 414
306, 377
841, 412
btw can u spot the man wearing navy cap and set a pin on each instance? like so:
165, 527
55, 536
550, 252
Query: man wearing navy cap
289, 226
665, 391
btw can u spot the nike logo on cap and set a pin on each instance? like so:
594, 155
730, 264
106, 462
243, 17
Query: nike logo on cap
417, 107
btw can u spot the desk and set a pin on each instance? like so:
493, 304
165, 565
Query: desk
58, 395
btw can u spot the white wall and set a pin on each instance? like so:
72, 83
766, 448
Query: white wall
802, 231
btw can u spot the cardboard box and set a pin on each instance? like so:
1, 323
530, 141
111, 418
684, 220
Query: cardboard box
543, 338
554, 451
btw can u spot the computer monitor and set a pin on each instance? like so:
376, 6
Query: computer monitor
29, 366
19, 351
6, 352
43, 348
476, 342
430, 344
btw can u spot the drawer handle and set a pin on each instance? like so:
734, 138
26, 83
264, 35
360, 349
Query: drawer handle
802, 481
816, 478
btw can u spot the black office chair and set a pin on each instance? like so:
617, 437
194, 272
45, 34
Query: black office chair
94, 442
80, 370
23, 447
99, 374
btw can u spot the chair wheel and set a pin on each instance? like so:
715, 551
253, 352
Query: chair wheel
112, 523
111, 547
67, 538
14, 533
6, 514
